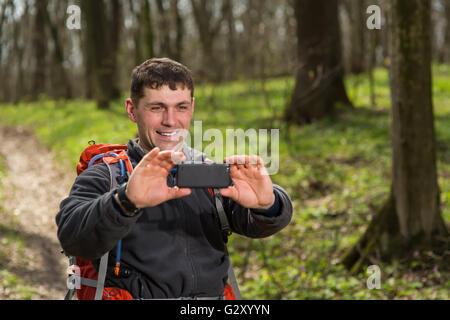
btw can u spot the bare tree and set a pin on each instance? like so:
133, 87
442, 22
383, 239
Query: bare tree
319, 84
39, 49
164, 29
356, 11
410, 219
60, 81
208, 27
3, 8
148, 27
179, 28
446, 49
102, 38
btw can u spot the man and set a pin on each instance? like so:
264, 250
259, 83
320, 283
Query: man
172, 245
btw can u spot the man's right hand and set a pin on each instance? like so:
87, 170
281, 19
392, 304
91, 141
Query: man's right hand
147, 186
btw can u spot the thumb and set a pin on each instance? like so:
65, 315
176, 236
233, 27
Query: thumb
177, 192
147, 159
229, 192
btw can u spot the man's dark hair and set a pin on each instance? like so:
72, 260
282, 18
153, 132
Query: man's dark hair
156, 72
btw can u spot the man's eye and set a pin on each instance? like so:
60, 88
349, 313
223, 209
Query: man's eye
183, 107
155, 108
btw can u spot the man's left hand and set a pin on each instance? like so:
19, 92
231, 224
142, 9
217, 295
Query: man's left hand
253, 187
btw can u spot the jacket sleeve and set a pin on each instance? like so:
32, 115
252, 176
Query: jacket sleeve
246, 222
89, 222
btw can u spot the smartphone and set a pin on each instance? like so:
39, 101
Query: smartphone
203, 175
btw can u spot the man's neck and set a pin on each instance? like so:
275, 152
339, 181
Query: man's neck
143, 147
147, 149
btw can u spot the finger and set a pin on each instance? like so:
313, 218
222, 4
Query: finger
164, 155
148, 158
259, 162
151, 155
229, 192
236, 159
242, 160
178, 157
234, 171
255, 160
176, 192
171, 156
248, 163
165, 159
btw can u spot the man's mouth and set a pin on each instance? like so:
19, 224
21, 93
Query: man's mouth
167, 133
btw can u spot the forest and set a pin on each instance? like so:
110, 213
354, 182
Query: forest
358, 90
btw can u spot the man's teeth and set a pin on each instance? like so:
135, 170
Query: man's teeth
167, 133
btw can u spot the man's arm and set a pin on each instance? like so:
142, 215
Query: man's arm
91, 220
255, 223
90, 223
255, 207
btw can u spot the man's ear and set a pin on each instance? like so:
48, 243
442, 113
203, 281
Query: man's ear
193, 102
130, 109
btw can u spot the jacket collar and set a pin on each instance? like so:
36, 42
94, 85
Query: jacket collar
135, 152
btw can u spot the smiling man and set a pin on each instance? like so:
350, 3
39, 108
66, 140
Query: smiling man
171, 244
162, 106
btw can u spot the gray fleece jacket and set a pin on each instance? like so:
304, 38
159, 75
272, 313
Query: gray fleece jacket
172, 250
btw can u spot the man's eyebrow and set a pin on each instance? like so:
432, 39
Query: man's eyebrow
154, 103
163, 104
185, 102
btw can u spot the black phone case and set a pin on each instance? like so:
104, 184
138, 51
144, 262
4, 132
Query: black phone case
203, 175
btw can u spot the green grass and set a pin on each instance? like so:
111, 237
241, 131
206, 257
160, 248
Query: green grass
336, 170
11, 249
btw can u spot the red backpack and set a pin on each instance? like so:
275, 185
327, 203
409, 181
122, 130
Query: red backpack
90, 284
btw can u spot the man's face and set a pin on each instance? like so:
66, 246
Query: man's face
162, 117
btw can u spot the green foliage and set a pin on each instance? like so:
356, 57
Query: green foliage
11, 248
68, 126
337, 172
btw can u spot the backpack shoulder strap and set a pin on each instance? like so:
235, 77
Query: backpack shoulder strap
225, 226
101, 276
102, 269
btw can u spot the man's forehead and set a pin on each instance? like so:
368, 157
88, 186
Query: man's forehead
165, 93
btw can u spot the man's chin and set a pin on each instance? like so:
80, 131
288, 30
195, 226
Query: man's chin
173, 146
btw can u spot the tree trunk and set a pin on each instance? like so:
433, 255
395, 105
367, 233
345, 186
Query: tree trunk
115, 29
319, 84
446, 49
102, 47
148, 31
3, 8
371, 62
178, 47
164, 28
357, 12
39, 49
208, 28
60, 81
411, 218
231, 39
137, 38
19, 89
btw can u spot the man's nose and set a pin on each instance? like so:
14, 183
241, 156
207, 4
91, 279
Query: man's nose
169, 117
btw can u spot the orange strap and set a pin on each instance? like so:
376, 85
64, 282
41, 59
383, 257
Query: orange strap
122, 155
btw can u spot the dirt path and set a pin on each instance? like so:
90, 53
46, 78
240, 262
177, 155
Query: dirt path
31, 191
